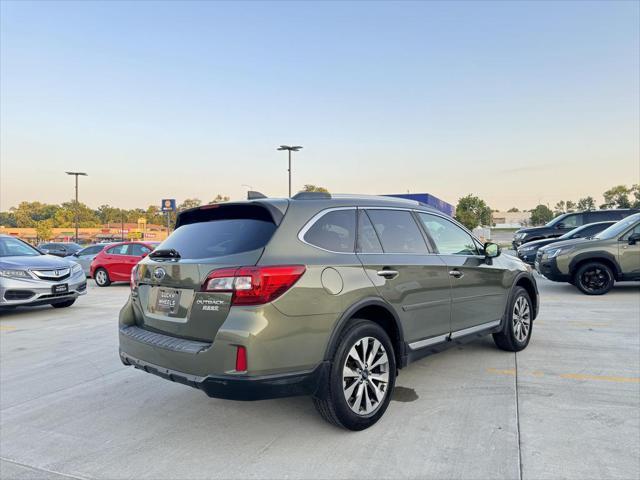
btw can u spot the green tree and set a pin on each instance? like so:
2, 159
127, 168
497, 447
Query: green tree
513, 210
219, 199
44, 231
190, 203
560, 208
635, 191
7, 219
65, 216
541, 215
571, 205
586, 203
472, 211
617, 197
314, 188
27, 214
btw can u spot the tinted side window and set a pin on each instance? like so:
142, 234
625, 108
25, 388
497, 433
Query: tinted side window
91, 250
635, 229
572, 221
368, 241
448, 237
397, 231
592, 230
118, 250
137, 250
334, 231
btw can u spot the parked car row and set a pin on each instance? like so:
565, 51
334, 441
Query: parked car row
593, 263
56, 273
564, 223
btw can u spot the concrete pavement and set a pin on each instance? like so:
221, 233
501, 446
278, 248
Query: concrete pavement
568, 406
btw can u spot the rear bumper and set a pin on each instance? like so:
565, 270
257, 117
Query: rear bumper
238, 387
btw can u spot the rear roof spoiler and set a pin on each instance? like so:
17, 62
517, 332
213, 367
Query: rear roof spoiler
312, 196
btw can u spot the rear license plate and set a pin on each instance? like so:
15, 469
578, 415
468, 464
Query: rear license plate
168, 301
62, 288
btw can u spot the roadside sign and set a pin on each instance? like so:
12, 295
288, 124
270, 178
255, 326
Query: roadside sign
168, 205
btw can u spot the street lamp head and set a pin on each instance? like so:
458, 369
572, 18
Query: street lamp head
291, 149
77, 173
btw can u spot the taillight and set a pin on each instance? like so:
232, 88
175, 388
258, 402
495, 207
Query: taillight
253, 285
133, 281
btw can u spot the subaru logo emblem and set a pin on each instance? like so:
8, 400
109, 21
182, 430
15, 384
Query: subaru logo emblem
159, 273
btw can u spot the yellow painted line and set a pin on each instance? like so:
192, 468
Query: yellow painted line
569, 376
509, 371
7, 327
588, 324
602, 378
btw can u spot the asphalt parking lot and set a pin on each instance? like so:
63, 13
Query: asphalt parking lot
566, 407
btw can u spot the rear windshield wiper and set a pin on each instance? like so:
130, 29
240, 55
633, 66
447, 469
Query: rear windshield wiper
165, 253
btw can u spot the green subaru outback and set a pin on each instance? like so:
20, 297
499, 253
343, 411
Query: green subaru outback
594, 264
327, 296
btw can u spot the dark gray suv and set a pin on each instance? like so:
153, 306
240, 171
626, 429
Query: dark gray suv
318, 295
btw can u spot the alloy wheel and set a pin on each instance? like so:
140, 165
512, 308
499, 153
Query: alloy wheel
521, 319
101, 277
595, 279
365, 376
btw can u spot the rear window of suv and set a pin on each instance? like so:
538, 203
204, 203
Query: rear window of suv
217, 238
216, 231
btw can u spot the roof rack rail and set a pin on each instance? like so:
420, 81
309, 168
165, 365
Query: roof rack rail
311, 196
253, 195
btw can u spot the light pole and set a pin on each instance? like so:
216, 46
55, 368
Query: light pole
76, 174
295, 148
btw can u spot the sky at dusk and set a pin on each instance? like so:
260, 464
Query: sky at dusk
517, 102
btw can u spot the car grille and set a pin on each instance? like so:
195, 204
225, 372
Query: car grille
18, 294
53, 274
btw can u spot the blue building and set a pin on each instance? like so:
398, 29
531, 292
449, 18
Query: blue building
427, 199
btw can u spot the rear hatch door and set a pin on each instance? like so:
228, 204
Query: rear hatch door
170, 280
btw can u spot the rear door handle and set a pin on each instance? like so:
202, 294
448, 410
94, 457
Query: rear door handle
456, 273
389, 274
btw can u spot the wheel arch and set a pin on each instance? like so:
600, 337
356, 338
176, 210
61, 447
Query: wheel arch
601, 256
529, 285
378, 311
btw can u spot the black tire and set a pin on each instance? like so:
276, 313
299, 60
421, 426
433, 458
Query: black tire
65, 304
101, 281
332, 403
513, 338
594, 278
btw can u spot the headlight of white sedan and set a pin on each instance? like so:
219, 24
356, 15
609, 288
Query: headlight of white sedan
21, 274
76, 268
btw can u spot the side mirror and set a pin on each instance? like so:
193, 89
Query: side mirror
560, 225
634, 238
491, 250
145, 254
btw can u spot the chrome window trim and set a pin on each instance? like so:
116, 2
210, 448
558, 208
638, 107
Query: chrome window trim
303, 231
307, 226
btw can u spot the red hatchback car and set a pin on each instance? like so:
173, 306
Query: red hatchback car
114, 264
